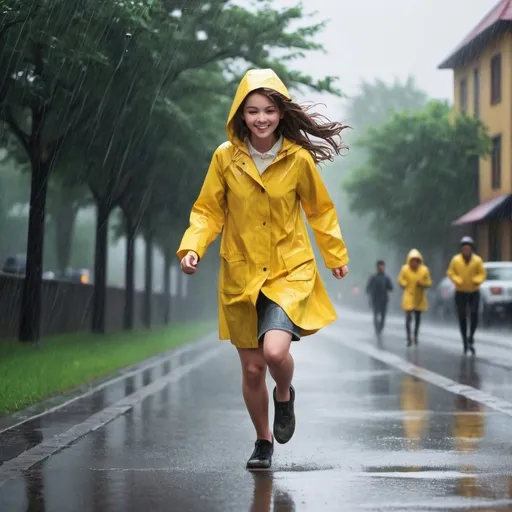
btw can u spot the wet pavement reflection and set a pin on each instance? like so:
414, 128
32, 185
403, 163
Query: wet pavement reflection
14, 441
369, 437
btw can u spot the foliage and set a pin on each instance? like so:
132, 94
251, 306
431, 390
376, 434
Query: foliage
128, 98
420, 174
373, 104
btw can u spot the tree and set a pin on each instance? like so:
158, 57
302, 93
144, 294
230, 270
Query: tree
419, 176
46, 49
209, 36
376, 102
373, 104
83, 82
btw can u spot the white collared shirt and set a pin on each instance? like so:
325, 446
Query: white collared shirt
263, 160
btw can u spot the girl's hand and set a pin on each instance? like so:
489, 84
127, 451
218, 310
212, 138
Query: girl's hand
340, 273
189, 263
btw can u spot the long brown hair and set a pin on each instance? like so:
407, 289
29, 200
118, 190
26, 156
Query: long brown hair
299, 125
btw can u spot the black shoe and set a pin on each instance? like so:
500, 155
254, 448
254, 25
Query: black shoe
261, 458
284, 418
465, 344
472, 346
409, 342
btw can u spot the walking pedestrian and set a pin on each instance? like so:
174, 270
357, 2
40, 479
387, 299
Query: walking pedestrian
378, 287
467, 272
270, 292
414, 278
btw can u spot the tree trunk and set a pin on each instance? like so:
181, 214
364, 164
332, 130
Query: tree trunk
64, 219
167, 285
100, 267
148, 281
130, 231
30, 315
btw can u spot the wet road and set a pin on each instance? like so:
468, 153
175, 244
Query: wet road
379, 427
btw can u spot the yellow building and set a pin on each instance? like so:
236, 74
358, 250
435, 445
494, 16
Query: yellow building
482, 69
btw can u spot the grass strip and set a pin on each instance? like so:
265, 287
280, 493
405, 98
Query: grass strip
30, 373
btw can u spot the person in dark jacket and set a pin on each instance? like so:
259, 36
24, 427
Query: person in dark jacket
378, 288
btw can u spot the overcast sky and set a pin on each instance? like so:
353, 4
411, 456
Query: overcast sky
368, 39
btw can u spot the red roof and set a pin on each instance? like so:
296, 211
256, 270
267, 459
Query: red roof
502, 11
482, 211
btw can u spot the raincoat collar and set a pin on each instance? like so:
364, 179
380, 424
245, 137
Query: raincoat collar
243, 159
270, 154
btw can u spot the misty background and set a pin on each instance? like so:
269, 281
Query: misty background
397, 43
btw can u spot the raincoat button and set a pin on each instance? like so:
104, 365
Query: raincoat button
264, 223
264, 269
262, 190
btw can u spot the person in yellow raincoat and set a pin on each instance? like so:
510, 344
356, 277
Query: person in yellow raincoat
414, 278
270, 292
467, 273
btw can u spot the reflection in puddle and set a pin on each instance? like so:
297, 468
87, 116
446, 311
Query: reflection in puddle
414, 403
34, 485
129, 385
147, 376
468, 429
263, 493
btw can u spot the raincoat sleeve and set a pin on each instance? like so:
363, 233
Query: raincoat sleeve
452, 273
389, 284
402, 279
207, 216
321, 215
481, 273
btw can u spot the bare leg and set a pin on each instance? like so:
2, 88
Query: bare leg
276, 352
254, 389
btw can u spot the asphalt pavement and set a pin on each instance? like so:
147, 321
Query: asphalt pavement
379, 427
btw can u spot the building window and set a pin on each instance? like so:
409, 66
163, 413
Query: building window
463, 95
494, 242
496, 162
476, 92
496, 79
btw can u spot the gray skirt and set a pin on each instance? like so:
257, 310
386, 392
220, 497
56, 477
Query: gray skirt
271, 316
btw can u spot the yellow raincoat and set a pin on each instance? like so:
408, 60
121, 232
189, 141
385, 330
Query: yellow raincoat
414, 283
265, 244
467, 277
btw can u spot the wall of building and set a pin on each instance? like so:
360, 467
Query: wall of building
497, 117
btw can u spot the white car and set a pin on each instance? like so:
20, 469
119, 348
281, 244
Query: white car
496, 291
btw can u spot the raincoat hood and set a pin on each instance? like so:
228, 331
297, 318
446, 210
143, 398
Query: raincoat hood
252, 80
414, 253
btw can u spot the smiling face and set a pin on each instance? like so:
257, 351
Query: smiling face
262, 117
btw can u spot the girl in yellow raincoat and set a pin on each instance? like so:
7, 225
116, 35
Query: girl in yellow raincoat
270, 292
414, 278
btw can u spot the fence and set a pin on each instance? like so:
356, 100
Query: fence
67, 307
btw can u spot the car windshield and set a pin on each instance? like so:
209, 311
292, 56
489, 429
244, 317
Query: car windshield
499, 274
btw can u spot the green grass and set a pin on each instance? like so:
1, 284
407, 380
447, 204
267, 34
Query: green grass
30, 373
